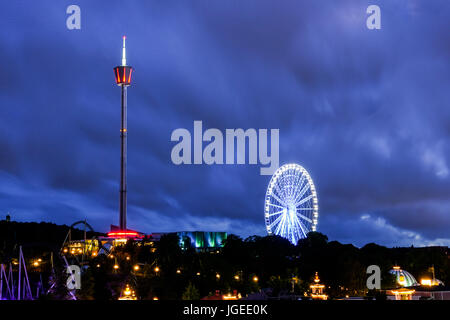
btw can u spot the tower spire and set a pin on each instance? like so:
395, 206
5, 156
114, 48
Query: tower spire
124, 53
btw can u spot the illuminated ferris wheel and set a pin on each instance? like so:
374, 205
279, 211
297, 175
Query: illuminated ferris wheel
291, 208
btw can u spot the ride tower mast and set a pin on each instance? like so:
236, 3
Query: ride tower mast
123, 79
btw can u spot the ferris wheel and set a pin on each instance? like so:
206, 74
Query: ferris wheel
291, 207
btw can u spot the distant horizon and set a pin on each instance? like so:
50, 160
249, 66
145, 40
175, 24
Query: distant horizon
228, 233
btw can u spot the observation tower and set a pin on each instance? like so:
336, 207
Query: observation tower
123, 79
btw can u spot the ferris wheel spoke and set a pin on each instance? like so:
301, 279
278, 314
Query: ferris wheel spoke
299, 184
302, 192
304, 200
278, 199
275, 205
298, 231
281, 224
286, 226
275, 222
289, 184
303, 228
299, 234
275, 213
280, 193
304, 217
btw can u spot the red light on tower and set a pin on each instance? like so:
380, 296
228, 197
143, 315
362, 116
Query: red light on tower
123, 75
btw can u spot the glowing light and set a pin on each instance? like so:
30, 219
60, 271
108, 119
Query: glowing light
136, 267
155, 298
230, 296
129, 77
217, 276
124, 54
317, 289
236, 277
123, 233
178, 271
403, 291
36, 264
403, 294
425, 282
128, 294
431, 282
156, 269
116, 266
255, 279
198, 273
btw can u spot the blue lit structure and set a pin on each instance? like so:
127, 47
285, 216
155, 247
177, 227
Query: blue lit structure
291, 208
202, 240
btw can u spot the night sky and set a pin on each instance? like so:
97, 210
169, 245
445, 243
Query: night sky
366, 112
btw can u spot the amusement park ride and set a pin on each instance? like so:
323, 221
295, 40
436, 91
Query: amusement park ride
79, 251
11, 289
85, 248
291, 207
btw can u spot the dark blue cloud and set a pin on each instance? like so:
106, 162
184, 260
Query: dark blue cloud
365, 112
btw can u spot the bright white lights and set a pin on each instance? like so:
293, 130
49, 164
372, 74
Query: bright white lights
291, 205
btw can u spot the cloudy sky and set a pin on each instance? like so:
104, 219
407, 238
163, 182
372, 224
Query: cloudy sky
366, 112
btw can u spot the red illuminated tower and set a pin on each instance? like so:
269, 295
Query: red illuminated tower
123, 79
